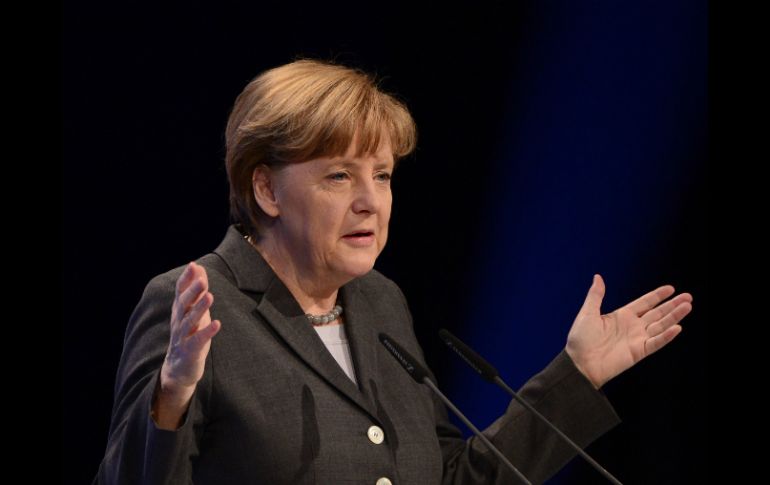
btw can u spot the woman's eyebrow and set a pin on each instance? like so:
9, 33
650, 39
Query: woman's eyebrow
352, 164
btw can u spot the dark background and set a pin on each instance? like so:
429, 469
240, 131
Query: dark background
556, 140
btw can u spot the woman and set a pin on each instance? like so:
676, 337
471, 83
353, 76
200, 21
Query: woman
259, 363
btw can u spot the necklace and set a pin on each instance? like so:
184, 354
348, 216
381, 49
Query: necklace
318, 320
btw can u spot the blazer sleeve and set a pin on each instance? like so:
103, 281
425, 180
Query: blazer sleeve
138, 452
561, 393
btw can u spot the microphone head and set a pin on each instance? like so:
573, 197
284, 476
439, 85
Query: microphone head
409, 363
473, 359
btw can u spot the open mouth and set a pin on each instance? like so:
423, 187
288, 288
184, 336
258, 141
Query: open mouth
359, 234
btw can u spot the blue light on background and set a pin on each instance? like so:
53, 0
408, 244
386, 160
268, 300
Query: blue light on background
605, 133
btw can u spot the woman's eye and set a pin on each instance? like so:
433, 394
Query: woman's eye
383, 177
338, 176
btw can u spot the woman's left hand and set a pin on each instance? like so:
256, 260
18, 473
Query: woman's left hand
603, 346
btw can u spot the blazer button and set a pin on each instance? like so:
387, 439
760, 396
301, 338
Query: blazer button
384, 481
376, 436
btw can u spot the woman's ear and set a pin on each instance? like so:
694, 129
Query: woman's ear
264, 190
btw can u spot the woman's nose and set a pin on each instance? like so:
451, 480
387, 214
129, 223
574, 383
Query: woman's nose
367, 198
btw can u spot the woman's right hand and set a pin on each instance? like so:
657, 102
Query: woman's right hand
191, 332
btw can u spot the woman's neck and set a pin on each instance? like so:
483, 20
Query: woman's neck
315, 293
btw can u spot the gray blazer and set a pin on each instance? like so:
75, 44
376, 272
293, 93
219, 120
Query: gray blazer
274, 407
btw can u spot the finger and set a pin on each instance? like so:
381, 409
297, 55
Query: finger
200, 275
192, 294
593, 301
192, 319
672, 318
186, 278
660, 311
204, 335
645, 303
200, 272
189, 297
657, 342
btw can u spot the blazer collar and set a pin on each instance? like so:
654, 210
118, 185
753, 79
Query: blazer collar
282, 312
251, 271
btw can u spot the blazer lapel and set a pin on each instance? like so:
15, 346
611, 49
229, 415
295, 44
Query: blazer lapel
280, 310
360, 327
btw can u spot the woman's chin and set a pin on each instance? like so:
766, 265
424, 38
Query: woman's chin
354, 269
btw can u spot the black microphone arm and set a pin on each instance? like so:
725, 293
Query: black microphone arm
419, 374
489, 373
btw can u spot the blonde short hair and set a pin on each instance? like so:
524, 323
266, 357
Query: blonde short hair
303, 110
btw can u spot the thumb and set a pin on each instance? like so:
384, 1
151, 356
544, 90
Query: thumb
593, 303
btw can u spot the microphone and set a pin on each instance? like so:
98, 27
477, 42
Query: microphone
485, 369
419, 374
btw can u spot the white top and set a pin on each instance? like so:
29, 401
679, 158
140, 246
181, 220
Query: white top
333, 336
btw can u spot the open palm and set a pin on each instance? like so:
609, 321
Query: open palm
604, 345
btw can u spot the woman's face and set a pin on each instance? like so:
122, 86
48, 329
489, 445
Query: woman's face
323, 202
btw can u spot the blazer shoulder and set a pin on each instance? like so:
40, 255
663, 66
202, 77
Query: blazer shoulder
165, 283
382, 291
374, 281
